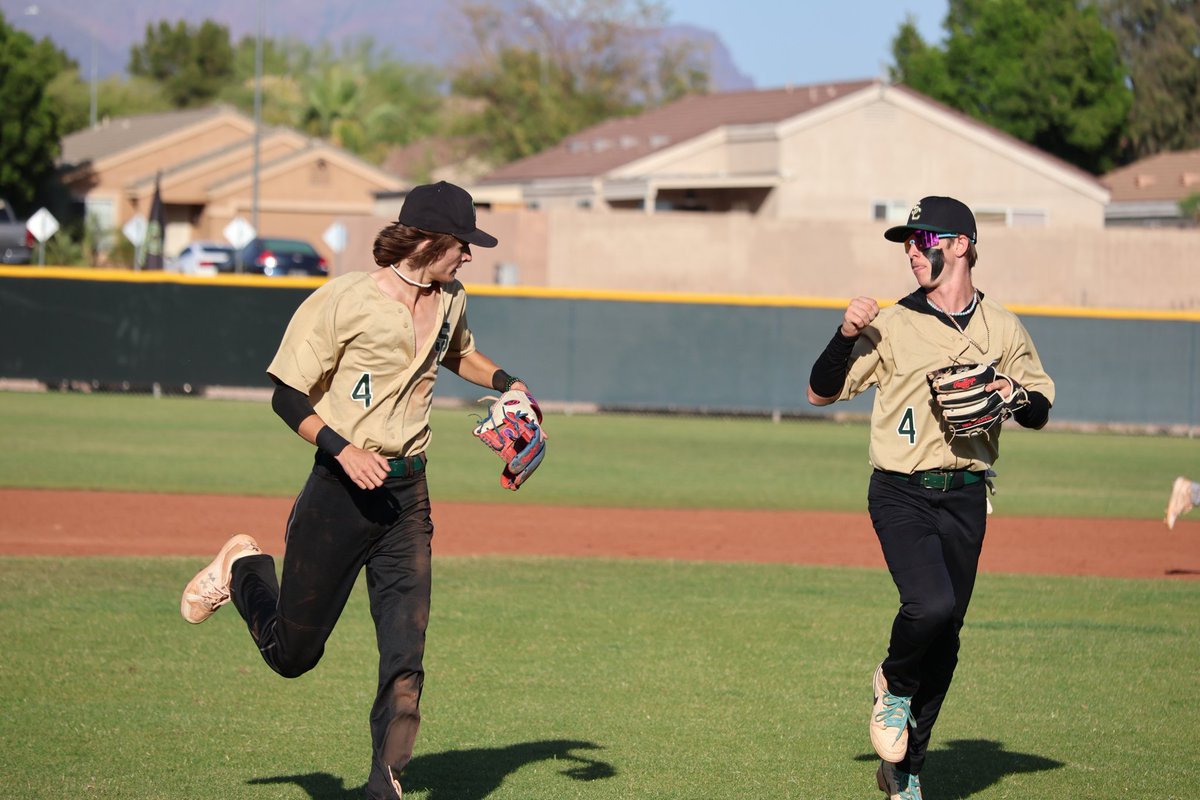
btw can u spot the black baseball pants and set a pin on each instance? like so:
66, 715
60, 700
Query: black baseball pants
335, 529
931, 541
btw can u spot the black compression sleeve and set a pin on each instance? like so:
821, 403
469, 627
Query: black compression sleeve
1036, 413
829, 372
291, 405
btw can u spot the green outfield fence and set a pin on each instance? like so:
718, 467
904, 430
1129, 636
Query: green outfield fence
626, 351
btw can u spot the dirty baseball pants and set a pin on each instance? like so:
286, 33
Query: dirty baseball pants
335, 529
931, 540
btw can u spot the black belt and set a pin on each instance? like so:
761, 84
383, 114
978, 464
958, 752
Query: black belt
941, 479
399, 467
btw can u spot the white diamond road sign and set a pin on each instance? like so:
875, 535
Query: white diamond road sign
335, 237
42, 225
135, 230
239, 232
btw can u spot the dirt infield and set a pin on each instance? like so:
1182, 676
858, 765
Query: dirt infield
43, 522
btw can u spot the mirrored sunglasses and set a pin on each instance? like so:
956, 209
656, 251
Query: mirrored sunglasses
925, 239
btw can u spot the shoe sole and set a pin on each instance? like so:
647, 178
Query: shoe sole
224, 564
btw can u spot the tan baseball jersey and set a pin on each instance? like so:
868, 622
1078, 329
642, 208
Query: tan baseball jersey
353, 350
895, 352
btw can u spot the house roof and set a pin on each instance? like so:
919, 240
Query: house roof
114, 135
1165, 176
608, 145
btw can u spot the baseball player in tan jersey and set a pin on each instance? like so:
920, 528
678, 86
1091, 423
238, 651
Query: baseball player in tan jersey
354, 376
927, 496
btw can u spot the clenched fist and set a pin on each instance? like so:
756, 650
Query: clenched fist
859, 314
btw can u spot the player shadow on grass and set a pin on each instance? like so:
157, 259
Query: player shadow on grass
462, 774
962, 768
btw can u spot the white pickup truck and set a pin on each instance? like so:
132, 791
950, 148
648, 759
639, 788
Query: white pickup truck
16, 242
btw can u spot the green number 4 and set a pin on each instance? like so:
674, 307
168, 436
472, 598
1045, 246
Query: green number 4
362, 390
908, 426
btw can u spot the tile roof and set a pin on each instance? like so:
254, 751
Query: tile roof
1164, 176
610, 144
113, 136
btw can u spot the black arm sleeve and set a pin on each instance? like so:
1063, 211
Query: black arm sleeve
291, 405
1036, 413
829, 372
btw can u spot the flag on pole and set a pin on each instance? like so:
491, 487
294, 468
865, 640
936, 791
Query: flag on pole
152, 247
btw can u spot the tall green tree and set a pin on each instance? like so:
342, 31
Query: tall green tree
355, 97
1045, 71
115, 97
29, 126
1159, 41
193, 64
566, 65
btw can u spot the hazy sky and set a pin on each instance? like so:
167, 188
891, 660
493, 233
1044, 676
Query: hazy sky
776, 42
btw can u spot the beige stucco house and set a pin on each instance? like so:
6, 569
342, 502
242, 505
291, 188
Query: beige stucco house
204, 161
852, 151
1148, 192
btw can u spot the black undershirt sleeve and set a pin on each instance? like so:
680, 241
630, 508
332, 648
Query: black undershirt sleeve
1036, 413
829, 371
291, 405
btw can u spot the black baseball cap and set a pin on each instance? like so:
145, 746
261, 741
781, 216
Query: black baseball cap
937, 214
444, 208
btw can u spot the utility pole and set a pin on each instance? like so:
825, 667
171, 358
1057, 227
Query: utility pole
258, 70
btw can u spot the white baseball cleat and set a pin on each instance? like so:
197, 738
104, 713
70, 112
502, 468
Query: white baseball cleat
209, 589
1180, 501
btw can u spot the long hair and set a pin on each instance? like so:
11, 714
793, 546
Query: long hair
397, 243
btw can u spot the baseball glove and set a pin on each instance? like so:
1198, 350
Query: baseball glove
513, 430
967, 408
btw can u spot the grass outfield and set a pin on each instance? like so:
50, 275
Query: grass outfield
557, 678
181, 444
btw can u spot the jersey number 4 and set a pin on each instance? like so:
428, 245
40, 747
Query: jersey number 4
362, 390
908, 426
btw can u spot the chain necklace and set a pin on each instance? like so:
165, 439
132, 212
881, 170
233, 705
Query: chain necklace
408, 280
950, 315
970, 307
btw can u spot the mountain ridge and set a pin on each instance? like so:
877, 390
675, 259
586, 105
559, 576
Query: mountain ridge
99, 35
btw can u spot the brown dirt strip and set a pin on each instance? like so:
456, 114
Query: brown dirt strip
43, 522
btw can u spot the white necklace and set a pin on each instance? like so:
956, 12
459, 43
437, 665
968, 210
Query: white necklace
408, 280
970, 307
987, 331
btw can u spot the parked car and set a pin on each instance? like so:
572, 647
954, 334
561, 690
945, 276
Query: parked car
203, 258
16, 242
274, 256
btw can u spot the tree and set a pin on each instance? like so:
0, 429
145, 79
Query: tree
29, 128
566, 65
1045, 71
356, 97
115, 97
1159, 42
192, 64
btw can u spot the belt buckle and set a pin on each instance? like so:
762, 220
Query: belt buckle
936, 479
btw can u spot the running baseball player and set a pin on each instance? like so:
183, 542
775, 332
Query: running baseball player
949, 365
354, 376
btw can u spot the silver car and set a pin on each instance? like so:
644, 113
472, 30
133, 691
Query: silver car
203, 258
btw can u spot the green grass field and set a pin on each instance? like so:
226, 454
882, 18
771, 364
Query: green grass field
587, 678
193, 445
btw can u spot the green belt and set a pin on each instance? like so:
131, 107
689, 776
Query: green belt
941, 479
408, 465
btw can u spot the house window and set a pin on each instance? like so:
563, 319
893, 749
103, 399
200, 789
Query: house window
1028, 218
1011, 217
101, 221
890, 211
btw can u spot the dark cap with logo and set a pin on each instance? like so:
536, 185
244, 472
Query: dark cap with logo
937, 214
444, 208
